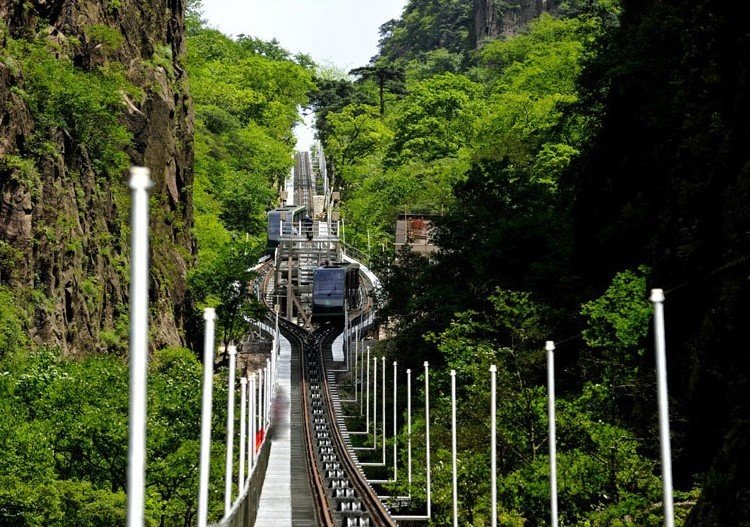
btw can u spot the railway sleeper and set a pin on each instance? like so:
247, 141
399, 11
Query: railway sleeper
340, 483
350, 506
344, 493
357, 521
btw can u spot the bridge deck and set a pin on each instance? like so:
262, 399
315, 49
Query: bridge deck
286, 499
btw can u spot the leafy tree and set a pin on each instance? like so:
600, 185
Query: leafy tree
386, 77
618, 322
436, 120
603, 477
224, 282
356, 133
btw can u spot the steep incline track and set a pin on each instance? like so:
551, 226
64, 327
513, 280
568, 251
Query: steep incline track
341, 493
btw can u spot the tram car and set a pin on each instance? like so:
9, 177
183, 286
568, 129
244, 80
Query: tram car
334, 284
289, 216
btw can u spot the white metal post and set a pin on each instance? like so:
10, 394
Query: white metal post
230, 431
270, 395
265, 403
140, 182
657, 298
493, 443
269, 390
367, 394
382, 406
550, 346
395, 429
253, 424
261, 426
374, 402
356, 363
243, 432
345, 334
427, 435
453, 448
273, 356
208, 384
408, 424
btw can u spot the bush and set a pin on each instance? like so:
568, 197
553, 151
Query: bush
12, 322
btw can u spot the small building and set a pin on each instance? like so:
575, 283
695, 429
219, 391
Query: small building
415, 230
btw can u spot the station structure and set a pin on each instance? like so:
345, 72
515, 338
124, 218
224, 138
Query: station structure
306, 240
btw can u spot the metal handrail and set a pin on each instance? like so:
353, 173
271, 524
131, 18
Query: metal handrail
245, 508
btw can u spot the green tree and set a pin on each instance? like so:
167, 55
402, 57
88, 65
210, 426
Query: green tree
386, 77
436, 119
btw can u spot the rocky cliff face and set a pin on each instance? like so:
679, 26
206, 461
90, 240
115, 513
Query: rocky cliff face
64, 210
505, 17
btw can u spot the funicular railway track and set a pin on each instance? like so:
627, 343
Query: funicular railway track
341, 493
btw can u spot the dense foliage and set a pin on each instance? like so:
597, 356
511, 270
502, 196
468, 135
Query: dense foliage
64, 420
246, 95
64, 435
573, 164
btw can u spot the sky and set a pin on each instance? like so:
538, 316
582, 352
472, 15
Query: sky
339, 32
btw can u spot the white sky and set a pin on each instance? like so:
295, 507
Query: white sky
341, 32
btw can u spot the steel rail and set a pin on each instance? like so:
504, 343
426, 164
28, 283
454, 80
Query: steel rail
379, 516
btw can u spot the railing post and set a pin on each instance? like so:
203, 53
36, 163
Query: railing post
259, 405
493, 443
453, 448
269, 374
356, 361
550, 346
230, 431
657, 298
395, 429
427, 436
253, 423
208, 383
140, 182
243, 432
367, 394
374, 402
382, 406
408, 424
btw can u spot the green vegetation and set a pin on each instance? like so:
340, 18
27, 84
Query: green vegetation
496, 143
63, 420
63, 439
85, 106
246, 96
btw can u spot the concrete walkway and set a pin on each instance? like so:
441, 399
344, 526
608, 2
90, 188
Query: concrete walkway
276, 498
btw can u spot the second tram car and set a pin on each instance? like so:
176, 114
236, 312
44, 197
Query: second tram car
288, 216
334, 287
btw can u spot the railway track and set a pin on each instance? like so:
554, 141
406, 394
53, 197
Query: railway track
341, 494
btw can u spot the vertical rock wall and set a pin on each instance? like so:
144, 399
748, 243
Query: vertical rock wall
505, 17
64, 239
